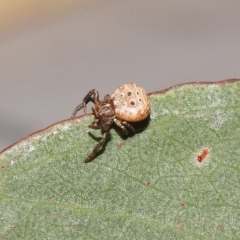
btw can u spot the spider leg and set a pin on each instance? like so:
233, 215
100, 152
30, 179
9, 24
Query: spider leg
129, 126
92, 96
124, 126
98, 126
98, 146
119, 124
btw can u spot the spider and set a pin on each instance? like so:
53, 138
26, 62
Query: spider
128, 103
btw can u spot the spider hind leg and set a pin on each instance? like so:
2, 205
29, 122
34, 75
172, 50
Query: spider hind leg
129, 126
125, 126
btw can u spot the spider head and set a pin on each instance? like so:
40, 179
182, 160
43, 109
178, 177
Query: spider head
104, 110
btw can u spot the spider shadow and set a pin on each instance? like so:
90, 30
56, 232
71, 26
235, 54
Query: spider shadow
138, 126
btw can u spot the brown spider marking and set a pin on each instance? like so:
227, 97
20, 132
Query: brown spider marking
128, 103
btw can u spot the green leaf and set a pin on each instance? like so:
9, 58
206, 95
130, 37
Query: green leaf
177, 178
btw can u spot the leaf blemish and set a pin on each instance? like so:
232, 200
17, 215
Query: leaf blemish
202, 155
148, 183
220, 226
120, 144
181, 225
182, 204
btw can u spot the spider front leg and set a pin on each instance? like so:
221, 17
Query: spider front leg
98, 146
92, 96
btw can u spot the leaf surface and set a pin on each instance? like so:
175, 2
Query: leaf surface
177, 178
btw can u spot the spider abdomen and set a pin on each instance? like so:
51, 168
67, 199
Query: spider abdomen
131, 103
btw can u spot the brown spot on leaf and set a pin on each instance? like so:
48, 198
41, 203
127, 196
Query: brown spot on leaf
182, 204
202, 155
148, 183
2, 167
120, 144
181, 226
220, 226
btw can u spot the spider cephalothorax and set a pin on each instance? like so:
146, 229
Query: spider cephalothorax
128, 103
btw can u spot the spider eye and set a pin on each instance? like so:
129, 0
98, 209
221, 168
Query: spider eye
140, 99
132, 103
129, 93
